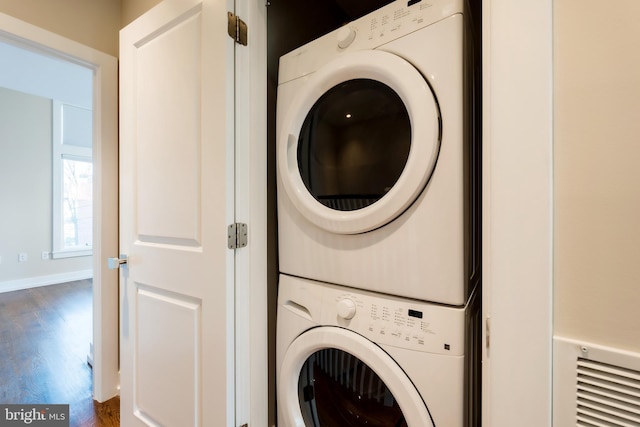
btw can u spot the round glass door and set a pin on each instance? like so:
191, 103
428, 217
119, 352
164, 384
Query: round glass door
332, 377
338, 389
358, 142
354, 144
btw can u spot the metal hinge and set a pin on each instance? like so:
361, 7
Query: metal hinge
237, 235
237, 28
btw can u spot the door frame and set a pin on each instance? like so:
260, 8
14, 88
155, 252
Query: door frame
251, 310
106, 378
517, 61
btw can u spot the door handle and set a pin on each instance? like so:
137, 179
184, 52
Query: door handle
115, 263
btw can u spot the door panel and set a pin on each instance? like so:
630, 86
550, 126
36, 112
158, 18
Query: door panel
171, 397
176, 189
168, 204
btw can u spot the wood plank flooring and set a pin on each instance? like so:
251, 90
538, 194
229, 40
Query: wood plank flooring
44, 342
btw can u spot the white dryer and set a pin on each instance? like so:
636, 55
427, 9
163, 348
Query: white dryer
375, 166
350, 358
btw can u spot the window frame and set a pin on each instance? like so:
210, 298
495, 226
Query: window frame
61, 152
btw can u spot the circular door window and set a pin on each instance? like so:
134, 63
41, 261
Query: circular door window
336, 388
334, 377
359, 142
354, 144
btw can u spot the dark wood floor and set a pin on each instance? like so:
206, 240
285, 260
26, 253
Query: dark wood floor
44, 342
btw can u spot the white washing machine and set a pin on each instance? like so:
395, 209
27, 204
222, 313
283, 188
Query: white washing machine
376, 170
349, 358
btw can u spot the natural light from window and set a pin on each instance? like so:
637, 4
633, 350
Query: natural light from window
77, 205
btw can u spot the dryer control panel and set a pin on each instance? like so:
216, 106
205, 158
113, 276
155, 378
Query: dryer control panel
383, 319
371, 31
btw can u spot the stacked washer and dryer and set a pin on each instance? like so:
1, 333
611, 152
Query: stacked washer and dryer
378, 302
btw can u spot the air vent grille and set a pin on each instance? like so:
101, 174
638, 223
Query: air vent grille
607, 395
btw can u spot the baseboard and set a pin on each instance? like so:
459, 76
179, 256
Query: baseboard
51, 279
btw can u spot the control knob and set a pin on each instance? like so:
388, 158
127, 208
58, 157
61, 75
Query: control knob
346, 36
346, 309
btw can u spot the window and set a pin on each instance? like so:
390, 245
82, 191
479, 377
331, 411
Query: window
72, 181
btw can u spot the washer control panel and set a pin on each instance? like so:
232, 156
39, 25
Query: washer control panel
383, 319
399, 322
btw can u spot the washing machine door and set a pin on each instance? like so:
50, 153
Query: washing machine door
359, 142
332, 377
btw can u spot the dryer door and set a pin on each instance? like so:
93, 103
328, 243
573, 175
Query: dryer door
359, 142
332, 377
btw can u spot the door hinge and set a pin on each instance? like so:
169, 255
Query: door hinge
237, 28
237, 235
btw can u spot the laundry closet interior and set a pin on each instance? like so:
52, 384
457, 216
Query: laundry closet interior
321, 260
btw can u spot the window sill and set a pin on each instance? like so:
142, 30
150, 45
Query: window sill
71, 253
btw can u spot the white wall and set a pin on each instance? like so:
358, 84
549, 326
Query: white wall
25, 195
596, 197
45, 76
597, 172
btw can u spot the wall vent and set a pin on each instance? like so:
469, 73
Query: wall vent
607, 395
595, 385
